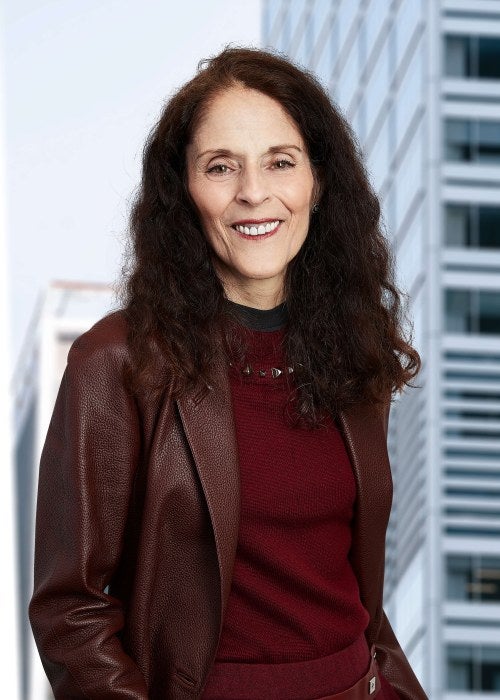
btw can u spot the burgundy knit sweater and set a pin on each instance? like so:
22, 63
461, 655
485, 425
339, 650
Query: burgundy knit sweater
294, 595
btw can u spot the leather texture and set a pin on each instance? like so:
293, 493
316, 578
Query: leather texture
137, 526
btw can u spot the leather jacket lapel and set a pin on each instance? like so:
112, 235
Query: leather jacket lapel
363, 432
362, 427
208, 422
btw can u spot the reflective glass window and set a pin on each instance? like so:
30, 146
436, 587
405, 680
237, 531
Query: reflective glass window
458, 139
472, 57
473, 667
488, 312
472, 225
468, 140
458, 225
488, 141
488, 59
456, 56
458, 313
472, 311
473, 577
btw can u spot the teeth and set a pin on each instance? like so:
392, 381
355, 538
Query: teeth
257, 230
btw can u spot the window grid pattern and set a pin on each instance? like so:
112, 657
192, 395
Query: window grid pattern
473, 667
472, 141
471, 443
473, 577
472, 311
472, 57
472, 226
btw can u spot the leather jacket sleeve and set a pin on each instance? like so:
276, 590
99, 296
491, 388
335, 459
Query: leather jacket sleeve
86, 475
394, 664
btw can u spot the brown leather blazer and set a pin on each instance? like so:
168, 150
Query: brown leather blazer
137, 526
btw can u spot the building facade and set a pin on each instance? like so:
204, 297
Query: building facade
65, 311
419, 81
10, 652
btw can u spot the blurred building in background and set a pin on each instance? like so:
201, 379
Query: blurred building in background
10, 653
65, 311
419, 81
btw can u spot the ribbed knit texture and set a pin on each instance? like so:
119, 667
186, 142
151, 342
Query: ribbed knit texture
294, 594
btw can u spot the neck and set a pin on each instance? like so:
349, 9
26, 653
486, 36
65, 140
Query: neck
257, 296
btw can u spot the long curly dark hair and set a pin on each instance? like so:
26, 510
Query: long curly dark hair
346, 322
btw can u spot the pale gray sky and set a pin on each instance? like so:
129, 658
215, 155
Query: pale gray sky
84, 82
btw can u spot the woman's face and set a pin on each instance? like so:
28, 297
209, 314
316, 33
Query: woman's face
251, 180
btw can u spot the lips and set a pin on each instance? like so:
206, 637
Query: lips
257, 228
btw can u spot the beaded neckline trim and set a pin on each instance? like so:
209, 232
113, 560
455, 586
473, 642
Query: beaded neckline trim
276, 372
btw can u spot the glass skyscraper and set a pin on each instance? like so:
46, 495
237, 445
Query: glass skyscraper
419, 81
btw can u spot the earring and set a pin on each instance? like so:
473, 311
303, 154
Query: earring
315, 209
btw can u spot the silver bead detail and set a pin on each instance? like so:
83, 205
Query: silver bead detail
275, 371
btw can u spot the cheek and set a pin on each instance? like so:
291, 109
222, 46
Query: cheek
300, 197
301, 206
211, 204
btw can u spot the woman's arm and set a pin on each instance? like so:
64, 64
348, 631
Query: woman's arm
85, 482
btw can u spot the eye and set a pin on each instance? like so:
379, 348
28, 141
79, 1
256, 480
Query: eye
283, 164
219, 169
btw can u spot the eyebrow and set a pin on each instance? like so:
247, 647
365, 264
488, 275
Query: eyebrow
227, 152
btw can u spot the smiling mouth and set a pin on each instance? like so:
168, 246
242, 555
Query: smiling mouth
255, 229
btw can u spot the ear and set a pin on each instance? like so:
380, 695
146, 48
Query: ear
317, 187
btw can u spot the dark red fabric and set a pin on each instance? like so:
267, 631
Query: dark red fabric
294, 595
318, 678
291, 681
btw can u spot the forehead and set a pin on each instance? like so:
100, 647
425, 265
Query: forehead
241, 114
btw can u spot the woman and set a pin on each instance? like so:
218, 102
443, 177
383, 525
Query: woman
214, 487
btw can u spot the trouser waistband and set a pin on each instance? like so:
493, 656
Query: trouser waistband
366, 687
292, 680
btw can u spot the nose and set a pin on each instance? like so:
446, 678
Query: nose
253, 186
